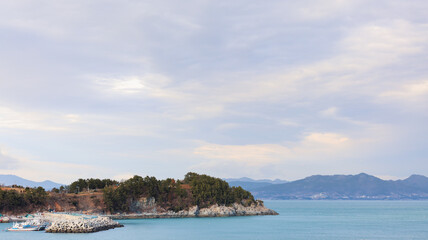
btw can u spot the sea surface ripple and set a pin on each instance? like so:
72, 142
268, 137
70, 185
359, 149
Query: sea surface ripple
309, 220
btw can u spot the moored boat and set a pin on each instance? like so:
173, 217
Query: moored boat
32, 225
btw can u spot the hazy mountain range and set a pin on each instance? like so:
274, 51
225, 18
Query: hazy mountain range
361, 186
9, 180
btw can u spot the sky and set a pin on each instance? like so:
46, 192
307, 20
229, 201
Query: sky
261, 89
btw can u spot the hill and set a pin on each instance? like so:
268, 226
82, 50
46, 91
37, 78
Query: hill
195, 195
9, 180
361, 186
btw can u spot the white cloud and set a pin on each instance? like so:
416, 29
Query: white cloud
332, 113
38, 170
170, 71
314, 153
287, 122
364, 50
10, 118
124, 176
152, 84
328, 139
72, 118
130, 85
274, 160
86, 124
329, 112
250, 154
312, 147
409, 91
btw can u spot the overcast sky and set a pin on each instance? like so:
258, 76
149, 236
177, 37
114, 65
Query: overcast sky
262, 89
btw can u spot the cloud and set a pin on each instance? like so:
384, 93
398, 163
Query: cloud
30, 167
314, 153
124, 176
72, 123
329, 112
73, 118
150, 84
315, 10
7, 162
287, 122
409, 91
364, 50
250, 154
312, 147
10, 118
262, 85
332, 113
276, 160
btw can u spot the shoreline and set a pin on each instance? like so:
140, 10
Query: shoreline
166, 216
215, 210
234, 210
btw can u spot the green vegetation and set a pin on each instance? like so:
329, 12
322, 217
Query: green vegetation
36, 196
166, 192
208, 190
11, 200
91, 184
204, 191
132, 195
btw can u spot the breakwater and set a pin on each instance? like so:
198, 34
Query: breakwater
64, 223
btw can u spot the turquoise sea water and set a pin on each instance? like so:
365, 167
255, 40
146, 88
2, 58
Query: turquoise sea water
344, 220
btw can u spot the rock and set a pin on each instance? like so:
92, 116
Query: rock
143, 205
65, 224
193, 210
213, 211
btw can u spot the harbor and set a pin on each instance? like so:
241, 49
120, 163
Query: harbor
64, 223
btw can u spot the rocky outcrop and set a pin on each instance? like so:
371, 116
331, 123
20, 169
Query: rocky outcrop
213, 211
235, 210
143, 205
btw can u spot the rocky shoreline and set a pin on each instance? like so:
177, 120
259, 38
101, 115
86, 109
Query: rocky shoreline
81, 223
213, 211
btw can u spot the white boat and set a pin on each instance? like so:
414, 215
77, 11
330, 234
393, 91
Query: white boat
28, 226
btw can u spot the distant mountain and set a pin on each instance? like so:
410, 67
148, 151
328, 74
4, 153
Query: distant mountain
251, 184
9, 180
246, 179
361, 186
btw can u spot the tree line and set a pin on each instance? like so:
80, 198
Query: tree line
11, 200
167, 193
170, 194
90, 184
207, 190
195, 189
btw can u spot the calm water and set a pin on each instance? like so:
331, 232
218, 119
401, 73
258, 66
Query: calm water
297, 220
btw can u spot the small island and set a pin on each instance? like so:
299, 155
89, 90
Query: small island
194, 196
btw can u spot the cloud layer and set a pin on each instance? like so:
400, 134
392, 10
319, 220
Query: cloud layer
272, 90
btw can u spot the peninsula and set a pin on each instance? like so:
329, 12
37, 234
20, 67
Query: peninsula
194, 196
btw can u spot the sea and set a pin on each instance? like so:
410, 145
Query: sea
308, 220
